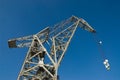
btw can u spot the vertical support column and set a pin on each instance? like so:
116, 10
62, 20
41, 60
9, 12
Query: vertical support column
55, 57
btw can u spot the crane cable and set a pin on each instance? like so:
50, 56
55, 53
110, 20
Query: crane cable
99, 46
101, 51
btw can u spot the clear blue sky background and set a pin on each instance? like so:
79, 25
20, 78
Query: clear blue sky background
82, 60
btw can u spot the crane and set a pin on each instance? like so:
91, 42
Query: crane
47, 49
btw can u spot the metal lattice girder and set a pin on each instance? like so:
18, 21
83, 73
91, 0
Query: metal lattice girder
51, 31
26, 41
47, 49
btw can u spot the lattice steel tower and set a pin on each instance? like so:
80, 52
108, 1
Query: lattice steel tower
47, 49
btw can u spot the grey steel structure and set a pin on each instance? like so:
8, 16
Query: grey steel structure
47, 49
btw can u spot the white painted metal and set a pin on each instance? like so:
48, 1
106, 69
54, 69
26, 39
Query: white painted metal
47, 49
106, 63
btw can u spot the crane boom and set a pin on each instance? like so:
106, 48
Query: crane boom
26, 41
47, 49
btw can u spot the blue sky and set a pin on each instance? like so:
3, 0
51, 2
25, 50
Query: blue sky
82, 60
